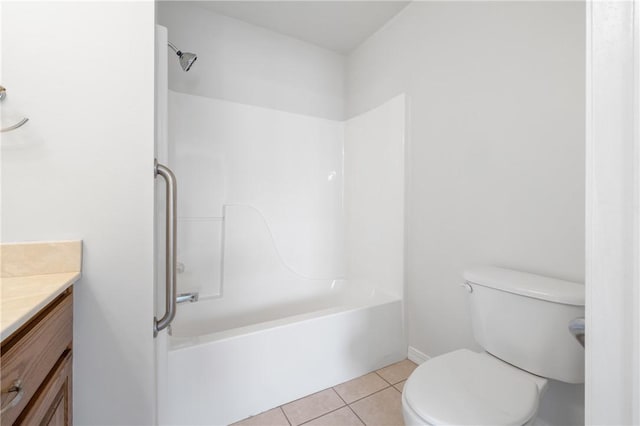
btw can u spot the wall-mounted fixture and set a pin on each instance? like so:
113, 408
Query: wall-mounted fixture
577, 328
3, 94
171, 260
186, 58
187, 297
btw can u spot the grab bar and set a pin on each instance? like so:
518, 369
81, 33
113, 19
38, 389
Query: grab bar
170, 248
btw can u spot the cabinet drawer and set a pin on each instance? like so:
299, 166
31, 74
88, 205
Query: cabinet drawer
52, 405
30, 356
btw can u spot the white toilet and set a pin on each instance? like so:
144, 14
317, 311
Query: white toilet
521, 320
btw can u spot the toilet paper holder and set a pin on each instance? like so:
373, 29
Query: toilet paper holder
577, 328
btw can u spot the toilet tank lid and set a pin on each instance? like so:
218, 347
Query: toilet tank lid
526, 284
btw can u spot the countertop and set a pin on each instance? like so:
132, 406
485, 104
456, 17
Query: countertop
32, 276
23, 297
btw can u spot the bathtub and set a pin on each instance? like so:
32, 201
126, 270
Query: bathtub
227, 364
275, 207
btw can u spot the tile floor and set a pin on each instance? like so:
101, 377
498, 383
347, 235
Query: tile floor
369, 400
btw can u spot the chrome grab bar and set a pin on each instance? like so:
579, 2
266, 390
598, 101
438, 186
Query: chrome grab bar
170, 248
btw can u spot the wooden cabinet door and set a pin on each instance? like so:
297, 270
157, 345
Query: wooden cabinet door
59, 417
52, 406
30, 356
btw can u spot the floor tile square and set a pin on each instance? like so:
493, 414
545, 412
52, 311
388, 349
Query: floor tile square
360, 387
312, 406
273, 417
342, 417
380, 409
397, 372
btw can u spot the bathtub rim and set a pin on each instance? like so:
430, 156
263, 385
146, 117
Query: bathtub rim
179, 343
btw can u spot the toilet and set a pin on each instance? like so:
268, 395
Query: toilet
521, 321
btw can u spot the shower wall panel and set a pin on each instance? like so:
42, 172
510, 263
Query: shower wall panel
374, 197
288, 167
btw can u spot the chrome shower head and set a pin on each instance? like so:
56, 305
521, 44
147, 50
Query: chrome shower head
186, 58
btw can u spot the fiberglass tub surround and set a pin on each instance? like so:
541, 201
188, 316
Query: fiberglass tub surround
292, 235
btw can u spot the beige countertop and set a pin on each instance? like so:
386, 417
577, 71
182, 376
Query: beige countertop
33, 275
23, 297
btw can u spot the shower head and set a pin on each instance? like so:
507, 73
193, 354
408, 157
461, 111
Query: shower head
186, 58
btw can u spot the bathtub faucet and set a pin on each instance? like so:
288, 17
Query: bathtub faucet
187, 297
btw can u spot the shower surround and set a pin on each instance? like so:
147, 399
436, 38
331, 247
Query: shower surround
291, 231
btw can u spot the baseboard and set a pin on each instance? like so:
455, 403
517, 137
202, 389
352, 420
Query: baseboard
417, 356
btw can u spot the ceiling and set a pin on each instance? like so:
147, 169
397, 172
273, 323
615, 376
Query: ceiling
340, 26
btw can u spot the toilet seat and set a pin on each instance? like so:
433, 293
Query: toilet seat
465, 387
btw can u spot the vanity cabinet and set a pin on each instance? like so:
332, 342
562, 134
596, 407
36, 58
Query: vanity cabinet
36, 367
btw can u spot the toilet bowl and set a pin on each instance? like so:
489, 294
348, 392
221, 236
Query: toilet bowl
521, 320
469, 388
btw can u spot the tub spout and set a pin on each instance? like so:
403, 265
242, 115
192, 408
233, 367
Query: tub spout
187, 297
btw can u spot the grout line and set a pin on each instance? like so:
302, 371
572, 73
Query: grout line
285, 416
322, 415
340, 396
390, 384
365, 397
334, 391
356, 414
356, 400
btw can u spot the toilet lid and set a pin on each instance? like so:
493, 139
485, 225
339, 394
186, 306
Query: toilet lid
465, 387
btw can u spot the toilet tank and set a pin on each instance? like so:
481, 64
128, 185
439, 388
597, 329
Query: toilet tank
523, 319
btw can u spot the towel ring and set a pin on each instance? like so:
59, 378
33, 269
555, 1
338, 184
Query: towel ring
15, 126
3, 94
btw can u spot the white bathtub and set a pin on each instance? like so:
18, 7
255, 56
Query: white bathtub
274, 207
227, 365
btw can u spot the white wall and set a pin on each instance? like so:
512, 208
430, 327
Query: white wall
245, 63
496, 154
82, 169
